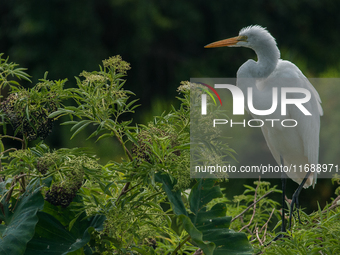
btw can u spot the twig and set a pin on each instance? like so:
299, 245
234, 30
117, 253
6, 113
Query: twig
252, 217
12, 137
124, 190
334, 205
10, 191
288, 200
133, 187
180, 245
257, 236
11, 149
251, 233
245, 210
270, 216
266, 225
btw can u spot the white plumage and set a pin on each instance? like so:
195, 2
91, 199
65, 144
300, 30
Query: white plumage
299, 145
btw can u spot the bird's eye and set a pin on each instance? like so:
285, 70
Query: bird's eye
242, 38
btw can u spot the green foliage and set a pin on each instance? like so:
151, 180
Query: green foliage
65, 201
27, 110
10, 70
19, 224
263, 211
208, 229
318, 234
51, 237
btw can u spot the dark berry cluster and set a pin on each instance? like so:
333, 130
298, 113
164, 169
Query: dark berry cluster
34, 124
64, 192
61, 195
44, 163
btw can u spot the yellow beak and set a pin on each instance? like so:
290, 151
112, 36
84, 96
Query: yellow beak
226, 42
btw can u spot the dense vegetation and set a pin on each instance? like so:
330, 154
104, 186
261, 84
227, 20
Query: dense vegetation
109, 192
64, 201
163, 41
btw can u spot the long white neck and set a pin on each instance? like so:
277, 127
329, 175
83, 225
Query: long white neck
251, 72
268, 56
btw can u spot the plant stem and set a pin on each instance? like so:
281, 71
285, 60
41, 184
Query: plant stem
251, 205
12, 137
180, 245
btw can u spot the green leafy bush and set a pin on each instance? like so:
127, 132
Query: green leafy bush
65, 201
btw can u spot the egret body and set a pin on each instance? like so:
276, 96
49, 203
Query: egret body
289, 146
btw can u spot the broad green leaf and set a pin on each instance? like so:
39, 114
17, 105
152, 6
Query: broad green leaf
173, 196
214, 224
53, 238
208, 229
20, 224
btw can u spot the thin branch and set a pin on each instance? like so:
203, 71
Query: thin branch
270, 216
252, 217
123, 192
245, 210
20, 176
134, 186
11, 149
257, 236
266, 225
10, 191
242, 221
12, 137
334, 205
180, 245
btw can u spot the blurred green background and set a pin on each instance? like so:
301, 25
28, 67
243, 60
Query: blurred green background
163, 41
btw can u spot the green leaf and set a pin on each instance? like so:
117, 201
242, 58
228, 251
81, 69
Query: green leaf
80, 123
131, 138
202, 193
19, 225
52, 238
173, 196
104, 135
80, 129
70, 122
208, 229
2, 147
60, 112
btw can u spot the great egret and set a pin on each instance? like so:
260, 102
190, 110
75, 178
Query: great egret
289, 146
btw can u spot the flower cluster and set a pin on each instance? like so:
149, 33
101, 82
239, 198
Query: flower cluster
30, 120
